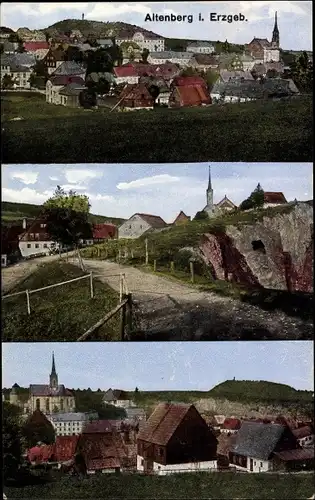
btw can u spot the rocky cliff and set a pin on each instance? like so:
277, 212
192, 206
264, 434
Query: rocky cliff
274, 252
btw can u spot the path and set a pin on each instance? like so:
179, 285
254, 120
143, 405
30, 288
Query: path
169, 310
12, 275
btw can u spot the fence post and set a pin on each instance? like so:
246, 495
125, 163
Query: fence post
91, 285
129, 317
119, 255
172, 266
146, 252
28, 302
123, 321
192, 272
120, 287
132, 254
154, 265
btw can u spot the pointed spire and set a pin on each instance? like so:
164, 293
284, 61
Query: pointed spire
209, 183
275, 34
53, 369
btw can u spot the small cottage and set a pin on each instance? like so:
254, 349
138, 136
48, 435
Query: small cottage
61, 82
134, 97
304, 435
118, 398
188, 96
231, 425
181, 218
138, 224
274, 199
176, 439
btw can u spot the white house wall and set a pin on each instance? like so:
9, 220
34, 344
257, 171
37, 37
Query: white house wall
164, 470
126, 79
258, 465
30, 248
133, 228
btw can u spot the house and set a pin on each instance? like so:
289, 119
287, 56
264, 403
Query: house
175, 438
53, 59
204, 62
102, 452
119, 398
230, 76
98, 427
274, 199
200, 47
247, 61
63, 450
70, 424
104, 43
181, 58
188, 81
181, 218
56, 83
134, 97
19, 68
35, 240
69, 68
231, 425
135, 414
256, 445
138, 224
9, 47
103, 231
161, 84
294, 460
70, 94
126, 74
262, 69
242, 91
34, 46
225, 205
40, 54
304, 435
230, 61
189, 95
144, 39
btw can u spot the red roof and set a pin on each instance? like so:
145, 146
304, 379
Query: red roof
65, 447
232, 424
104, 451
302, 432
193, 95
104, 231
32, 46
137, 92
40, 453
125, 71
63, 80
98, 426
183, 81
274, 197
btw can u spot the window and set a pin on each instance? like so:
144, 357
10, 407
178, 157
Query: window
37, 404
142, 461
261, 464
61, 404
45, 245
47, 404
43, 225
36, 245
29, 245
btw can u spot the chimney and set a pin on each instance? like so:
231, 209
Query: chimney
24, 223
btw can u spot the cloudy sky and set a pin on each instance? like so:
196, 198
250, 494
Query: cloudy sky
158, 365
121, 190
295, 18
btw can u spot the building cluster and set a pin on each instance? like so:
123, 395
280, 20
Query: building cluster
240, 77
29, 238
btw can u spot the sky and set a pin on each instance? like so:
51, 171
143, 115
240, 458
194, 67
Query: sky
116, 190
294, 18
158, 365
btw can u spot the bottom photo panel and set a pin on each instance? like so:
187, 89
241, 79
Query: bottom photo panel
184, 420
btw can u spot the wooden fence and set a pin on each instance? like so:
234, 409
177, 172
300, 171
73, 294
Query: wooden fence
124, 308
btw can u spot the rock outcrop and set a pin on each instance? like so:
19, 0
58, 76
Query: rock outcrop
275, 252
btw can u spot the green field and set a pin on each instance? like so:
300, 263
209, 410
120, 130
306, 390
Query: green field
257, 131
58, 314
199, 486
11, 211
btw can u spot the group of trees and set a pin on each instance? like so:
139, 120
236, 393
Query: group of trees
255, 199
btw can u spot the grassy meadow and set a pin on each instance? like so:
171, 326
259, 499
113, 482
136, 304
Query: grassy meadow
207, 486
254, 131
58, 314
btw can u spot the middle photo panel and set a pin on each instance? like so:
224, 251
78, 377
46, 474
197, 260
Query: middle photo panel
196, 251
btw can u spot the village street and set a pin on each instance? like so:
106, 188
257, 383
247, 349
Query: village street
169, 310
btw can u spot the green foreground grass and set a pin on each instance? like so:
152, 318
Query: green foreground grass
58, 314
182, 486
257, 131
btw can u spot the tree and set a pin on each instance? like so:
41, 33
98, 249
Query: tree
255, 200
226, 47
1, 48
20, 48
144, 56
87, 98
12, 442
88, 401
99, 61
38, 428
201, 216
7, 82
302, 73
132, 56
211, 77
154, 91
70, 200
272, 73
73, 53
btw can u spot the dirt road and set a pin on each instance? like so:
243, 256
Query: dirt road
168, 310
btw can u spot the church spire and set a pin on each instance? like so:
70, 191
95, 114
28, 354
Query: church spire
275, 34
209, 182
53, 375
209, 206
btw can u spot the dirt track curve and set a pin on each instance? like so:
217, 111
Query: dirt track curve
169, 310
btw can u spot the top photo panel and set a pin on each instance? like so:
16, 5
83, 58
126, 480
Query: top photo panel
156, 82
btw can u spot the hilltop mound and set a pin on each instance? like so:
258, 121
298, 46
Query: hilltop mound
98, 28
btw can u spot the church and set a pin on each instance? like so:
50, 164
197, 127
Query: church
50, 398
263, 50
212, 209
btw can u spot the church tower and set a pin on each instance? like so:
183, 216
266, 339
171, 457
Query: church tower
275, 34
209, 206
53, 376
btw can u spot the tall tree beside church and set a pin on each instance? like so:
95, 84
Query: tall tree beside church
255, 199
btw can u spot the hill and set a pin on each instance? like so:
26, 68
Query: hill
97, 28
13, 212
